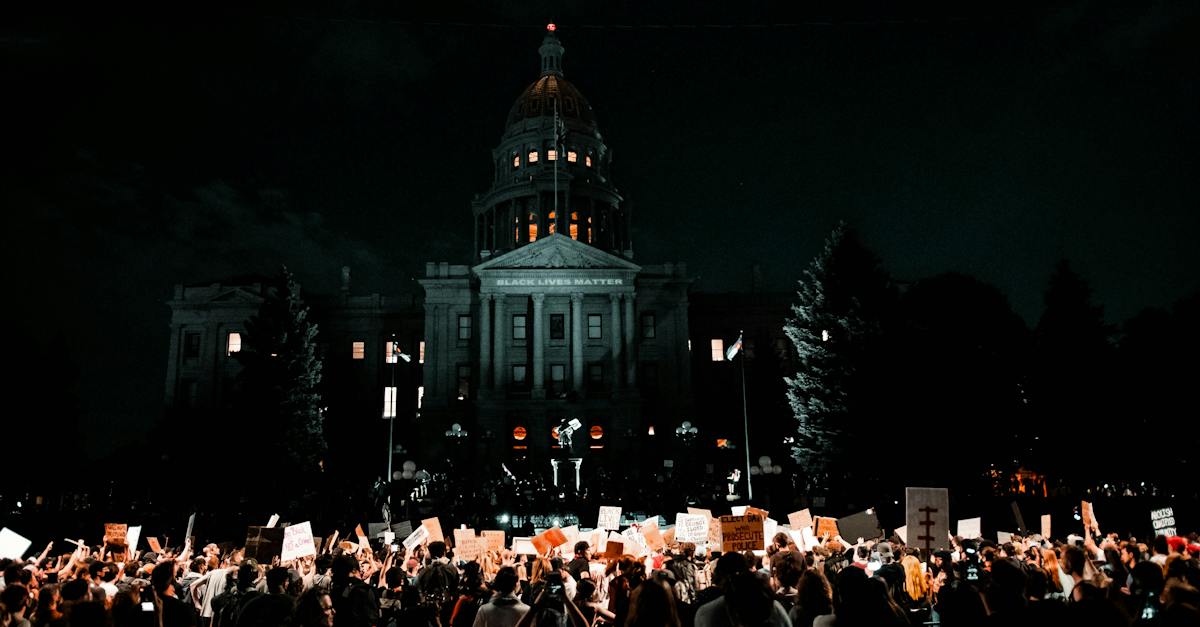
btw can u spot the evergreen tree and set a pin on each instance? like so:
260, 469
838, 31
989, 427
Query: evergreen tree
836, 328
280, 380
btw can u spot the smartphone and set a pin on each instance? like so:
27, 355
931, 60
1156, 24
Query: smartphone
147, 606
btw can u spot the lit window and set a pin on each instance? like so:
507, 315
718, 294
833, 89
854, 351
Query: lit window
552, 155
648, 326
589, 232
420, 395
572, 156
519, 433
533, 156
517, 230
518, 326
464, 327
587, 160
718, 350
389, 402
518, 375
516, 161
389, 353
533, 227
596, 432
552, 224
358, 350
421, 355
575, 225
233, 344
594, 328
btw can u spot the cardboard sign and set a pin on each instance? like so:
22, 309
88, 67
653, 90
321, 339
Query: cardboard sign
12, 544
610, 518
691, 528
523, 546
761, 513
863, 525
652, 536
298, 542
495, 539
970, 528
154, 545
827, 525
669, 536
134, 534
635, 544
435, 529
927, 517
1046, 526
462, 537
741, 533
614, 549
469, 549
714, 531
115, 534
902, 533
800, 519
419, 536
1163, 521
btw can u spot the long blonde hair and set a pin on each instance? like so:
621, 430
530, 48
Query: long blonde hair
914, 580
1050, 566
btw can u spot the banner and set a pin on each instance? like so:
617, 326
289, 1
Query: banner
610, 518
741, 533
298, 542
800, 519
1163, 521
691, 528
12, 544
927, 517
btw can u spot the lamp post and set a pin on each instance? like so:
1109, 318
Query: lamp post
395, 358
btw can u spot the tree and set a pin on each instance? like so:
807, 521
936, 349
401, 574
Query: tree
836, 327
280, 379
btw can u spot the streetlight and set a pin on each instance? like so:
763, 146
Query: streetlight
456, 433
396, 352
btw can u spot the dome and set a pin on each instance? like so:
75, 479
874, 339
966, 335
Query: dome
538, 100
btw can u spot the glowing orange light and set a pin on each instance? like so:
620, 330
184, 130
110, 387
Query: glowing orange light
519, 433
551, 27
597, 432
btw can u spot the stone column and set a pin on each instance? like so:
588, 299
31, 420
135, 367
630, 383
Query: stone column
630, 354
485, 341
614, 300
577, 341
539, 365
501, 335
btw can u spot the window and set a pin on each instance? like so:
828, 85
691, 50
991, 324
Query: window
518, 375
594, 329
464, 382
516, 161
532, 156
572, 156
587, 161
389, 353
596, 374
421, 354
389, 402
718, 350
533, 227
233, 343
575, 225
596, 432
191, 346
358, 350
558, 327
589, 238
464, 326
518, 326
517, 230
552, 223
519, 433
558, 373
552, 155
648, 326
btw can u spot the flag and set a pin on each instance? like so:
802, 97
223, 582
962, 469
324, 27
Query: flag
733, 349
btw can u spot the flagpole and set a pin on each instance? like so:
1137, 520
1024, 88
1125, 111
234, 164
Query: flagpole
746, 424
392, 422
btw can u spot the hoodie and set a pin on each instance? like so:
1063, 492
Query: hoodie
501, 611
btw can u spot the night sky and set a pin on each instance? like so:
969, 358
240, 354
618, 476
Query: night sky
157, 149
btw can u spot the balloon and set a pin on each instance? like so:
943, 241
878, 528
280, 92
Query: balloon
407, 474
755, 470
397, 475
764, 461
410, 466
777, 469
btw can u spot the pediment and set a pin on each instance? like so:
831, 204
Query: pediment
237, 295
557, 252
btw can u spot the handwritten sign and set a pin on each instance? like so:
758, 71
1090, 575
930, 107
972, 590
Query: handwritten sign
298, 542
927, 517
741, 533
469, 549
827, 525
461, 537
691, 528
1163, 521
610, 518
495, 539
115, 534
635, 544
1046, 526
800, 519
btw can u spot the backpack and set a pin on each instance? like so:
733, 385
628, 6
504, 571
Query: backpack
225, 608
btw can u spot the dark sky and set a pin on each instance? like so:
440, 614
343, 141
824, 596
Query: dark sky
155, 149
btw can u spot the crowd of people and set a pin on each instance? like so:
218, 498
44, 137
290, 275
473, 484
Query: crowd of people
1026, 581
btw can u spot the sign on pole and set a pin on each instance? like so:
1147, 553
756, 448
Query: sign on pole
927, 517
298, 542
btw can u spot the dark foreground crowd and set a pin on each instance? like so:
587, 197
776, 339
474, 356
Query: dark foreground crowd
1024, 582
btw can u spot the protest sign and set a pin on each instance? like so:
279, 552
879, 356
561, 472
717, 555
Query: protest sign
12, 544
635, 544
274, 520
1003, 537
1088, 513
419, 536
134, 534
376, 529
191, 526
115, 534
1163, 521
927, 517
770, 528
691, 528
1046, 526
761, 513
652, 535
827, 525
741, 533
264, 543
402, 529
863, 525
495, 539
389, 537
970, 528
738, 510
669, 536
572, 534
545, 541
461, 537
435, 529
523, 546
469, 549
154, 545
298, 542
799, 520
614, 549
610, 518
902, 533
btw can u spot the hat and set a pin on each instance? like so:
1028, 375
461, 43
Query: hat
1177, 543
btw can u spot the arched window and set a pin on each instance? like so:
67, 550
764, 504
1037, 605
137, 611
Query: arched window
574, 225
589, 231
572, 156
516, 161
552, 155
519, 433
552, 223
587, 161
533, 227
533, 156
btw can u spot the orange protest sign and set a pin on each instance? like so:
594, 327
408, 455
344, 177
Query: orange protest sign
545, 541
154, 545
827, 525
654, 537
614, 549
434, 526
495, 540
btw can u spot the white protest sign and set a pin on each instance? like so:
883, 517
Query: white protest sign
635, 543
274, 520
969, 528
902, 533
419, 536
1163, 521
691, 528
298, 542
809, 539
800, 519
927, 517
132, 536
389, 537
571, 533
610, 518
523, 546
770, 528
1046, 526
12, 544
1004, 537
738, 510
